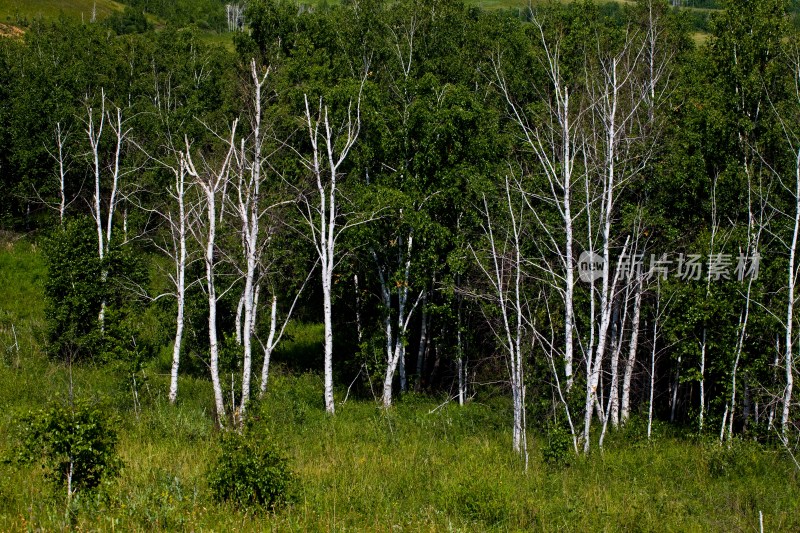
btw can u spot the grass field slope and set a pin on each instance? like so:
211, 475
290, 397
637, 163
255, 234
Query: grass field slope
16, 11
423, 466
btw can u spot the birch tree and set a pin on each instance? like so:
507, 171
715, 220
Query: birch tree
63, 159
104, 206
179, 230
502, 266
792, 189
555, 140
633, 343
395, 338
212, 179
617, 101
329, 150
248, 206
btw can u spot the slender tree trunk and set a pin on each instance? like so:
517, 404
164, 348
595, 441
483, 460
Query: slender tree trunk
273, 315
395, 345
653, 363
237, 323
630, 363
775, 365
250, 213
652, 372
212, 182
702, 380
423, 339
739, 347
247, 332
213, 346
322, 217
61, 140
505, 276
327, 310
462, 365
606, 296
359, 330
792, 278
675, 386
612, 407
180, 278
95, 133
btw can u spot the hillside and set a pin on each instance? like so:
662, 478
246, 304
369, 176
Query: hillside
20, 11
405, 265
423, 466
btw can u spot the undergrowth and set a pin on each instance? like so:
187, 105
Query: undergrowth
418, 466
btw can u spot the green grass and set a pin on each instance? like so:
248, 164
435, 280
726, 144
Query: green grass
224, 40
15, 11
22, 274
408, 469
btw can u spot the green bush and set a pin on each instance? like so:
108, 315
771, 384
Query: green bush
130, 20
78, 282
76, 444
557, 448
250, 472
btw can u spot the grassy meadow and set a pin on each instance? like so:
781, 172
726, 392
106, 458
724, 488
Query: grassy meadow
12, 11
420, 466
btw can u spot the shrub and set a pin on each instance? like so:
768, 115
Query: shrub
250, 472
75, 443
78, 282
558, 445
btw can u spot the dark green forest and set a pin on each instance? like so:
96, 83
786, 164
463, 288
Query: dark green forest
413, 264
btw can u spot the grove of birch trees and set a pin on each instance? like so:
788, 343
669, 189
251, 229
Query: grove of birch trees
585, 210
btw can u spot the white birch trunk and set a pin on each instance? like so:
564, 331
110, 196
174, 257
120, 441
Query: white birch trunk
555, 147
105, 222
212, 182
95, 133
653, 366
708, 294
423, 338
753, 237
213, 346
609, 116
273, 319
792, 279
62, 174
237, 323
674, 399
702, 380
321, 218
395, 345
328, 324
180, 276
359, 330
612, 407
510, 303
462, 367
273, 339
625, 408
249, 210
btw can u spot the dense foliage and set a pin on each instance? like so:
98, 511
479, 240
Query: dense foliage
75, 444
465, 159
250, 472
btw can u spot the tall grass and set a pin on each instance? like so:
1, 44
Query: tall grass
414, 467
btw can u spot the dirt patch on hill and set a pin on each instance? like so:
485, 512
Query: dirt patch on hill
7, 30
